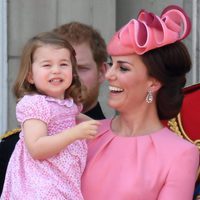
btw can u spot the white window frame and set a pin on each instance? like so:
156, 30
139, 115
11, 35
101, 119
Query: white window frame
195, 44
3, 67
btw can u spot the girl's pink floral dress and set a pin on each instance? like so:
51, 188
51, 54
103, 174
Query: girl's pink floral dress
57, 177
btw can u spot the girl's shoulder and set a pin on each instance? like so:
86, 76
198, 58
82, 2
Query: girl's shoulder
33, 106
32, 100
32, 97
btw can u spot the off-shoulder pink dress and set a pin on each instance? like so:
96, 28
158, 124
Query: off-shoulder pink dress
58, 177
159, 166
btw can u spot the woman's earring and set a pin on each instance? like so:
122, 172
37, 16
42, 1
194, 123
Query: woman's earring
149, 97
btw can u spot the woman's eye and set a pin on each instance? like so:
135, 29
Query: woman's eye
123, 68
110, 64
109, 61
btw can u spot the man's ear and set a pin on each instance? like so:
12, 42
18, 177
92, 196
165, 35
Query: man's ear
102, 70
30, 78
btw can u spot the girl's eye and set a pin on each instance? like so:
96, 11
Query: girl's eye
46, 65
63, 65
123, 68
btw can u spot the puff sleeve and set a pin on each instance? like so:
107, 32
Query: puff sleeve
33, 107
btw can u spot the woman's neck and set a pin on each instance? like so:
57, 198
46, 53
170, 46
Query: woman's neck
141, 123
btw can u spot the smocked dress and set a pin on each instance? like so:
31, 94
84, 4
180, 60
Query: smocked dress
57, 177
158, 166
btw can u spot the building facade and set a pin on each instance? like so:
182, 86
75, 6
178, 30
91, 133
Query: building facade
21, 19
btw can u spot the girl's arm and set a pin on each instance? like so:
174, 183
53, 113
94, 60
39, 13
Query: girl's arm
42, 146
182, 176
82, 117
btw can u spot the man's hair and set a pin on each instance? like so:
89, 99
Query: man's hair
78, 33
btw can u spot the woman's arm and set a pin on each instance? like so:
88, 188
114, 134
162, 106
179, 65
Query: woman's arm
182, 176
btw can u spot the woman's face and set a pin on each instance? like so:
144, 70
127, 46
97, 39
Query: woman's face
128, 82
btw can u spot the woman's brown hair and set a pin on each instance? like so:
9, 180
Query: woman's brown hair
169, 65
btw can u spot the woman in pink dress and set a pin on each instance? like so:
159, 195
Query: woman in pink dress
50, 156
134, 157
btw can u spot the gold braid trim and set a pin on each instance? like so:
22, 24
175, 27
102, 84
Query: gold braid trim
196, 142
173, 125
176, 126
11, 132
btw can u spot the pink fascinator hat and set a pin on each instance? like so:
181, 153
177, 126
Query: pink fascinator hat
150, 31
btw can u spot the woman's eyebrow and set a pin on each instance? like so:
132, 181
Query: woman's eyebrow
123, 62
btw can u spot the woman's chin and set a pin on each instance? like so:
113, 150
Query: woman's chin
113, 105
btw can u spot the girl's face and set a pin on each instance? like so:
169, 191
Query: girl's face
51, 70
128, 82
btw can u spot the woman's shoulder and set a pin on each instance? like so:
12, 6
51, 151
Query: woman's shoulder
104, 125
170, 141
105, 122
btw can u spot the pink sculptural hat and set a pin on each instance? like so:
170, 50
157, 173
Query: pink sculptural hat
150, 31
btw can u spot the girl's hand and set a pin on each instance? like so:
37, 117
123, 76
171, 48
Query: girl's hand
86, 129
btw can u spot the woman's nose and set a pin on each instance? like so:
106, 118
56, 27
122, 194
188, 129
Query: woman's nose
110, 74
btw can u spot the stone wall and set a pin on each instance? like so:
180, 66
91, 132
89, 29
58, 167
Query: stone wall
28, 17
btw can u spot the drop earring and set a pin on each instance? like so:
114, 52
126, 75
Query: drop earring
149, 97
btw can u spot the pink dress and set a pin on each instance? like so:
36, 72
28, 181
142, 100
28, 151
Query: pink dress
159, 166
58, 177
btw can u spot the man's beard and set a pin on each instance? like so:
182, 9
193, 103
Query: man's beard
91, 98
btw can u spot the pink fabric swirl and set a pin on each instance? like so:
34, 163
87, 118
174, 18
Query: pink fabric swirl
150, 31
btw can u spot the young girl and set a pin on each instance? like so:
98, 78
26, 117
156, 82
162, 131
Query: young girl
50, 156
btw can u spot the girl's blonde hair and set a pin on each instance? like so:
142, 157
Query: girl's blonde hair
23, 87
